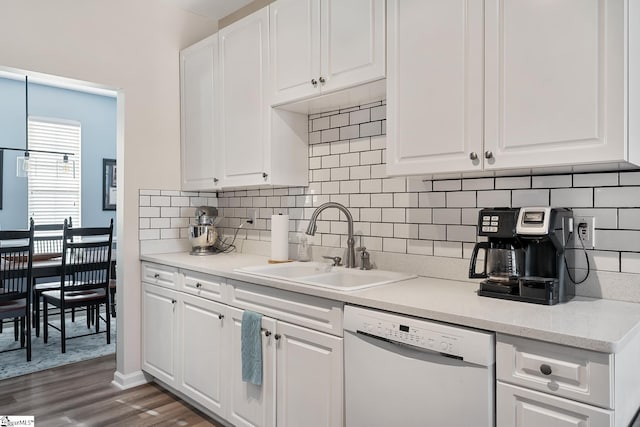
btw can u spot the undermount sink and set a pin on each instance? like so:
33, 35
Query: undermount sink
323, 275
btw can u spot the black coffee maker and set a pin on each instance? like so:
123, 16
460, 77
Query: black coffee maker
525, 258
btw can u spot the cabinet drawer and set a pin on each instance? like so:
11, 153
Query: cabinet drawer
577, 374
304, 310
204, 285
519, 407
160, 275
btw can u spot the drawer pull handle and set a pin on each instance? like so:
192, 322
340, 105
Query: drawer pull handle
545, 369
198, 285
267, 333
157, 275
221, 316
277, 336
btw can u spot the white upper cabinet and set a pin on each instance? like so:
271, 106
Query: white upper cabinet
259, 145
322, 46
434, 86
198, 109
509, 85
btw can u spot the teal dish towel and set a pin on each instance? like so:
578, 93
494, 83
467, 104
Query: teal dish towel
251, 347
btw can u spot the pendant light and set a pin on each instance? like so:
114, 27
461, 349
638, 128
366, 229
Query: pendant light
25, 165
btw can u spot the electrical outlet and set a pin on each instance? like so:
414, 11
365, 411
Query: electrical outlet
252, 215
585, 233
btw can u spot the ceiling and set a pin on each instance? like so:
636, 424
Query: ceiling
214, 9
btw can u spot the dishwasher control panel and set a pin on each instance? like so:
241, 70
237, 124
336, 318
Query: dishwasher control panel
404, 332
469, 344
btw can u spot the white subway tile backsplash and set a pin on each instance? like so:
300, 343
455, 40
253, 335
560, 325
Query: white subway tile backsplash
394, 245
432, 200
630, 262
437, 217
461, 199
551, 181
595, 179
447, 185
359, 116
349, 132
371, 129
420, 247
629, 219
572, 197
478, 184
495, 198
371, 186
447, 216
405, 200
350, 159
382, 200
394, 185
539, 197
513, 182
622, 197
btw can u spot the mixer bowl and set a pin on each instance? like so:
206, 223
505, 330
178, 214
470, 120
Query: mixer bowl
203, 238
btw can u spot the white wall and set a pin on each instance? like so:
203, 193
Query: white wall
132, 46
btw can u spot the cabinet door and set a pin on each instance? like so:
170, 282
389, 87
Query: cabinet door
159, 332
201, 351
520, 407
244, 73
250, 405
198, 94
309, 377
352, 42
294, 31
554, 82
434, 86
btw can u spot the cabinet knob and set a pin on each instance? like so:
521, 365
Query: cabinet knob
156, 276
198, 285
220, 316
267, 333
265, 175
488, 155
545, 369
314, 82
473, 155
173, 301
322, 80
277, 336
215, 180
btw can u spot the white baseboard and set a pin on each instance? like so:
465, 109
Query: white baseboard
124, 382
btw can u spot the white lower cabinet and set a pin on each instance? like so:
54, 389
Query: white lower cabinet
250, 405
309, 377
193, 345
159, 332
200, 346
519, 406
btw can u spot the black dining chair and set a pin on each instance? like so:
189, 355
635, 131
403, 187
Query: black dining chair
47, 244
16, 258
84, 278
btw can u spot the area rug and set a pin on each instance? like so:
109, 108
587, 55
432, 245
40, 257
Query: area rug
45, 356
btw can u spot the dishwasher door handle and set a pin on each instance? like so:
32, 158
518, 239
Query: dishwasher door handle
409, 346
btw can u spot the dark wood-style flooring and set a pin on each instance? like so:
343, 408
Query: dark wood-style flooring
81, 394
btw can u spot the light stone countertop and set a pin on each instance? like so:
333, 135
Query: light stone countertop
594, 324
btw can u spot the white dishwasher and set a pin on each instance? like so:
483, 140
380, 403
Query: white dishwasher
405, 371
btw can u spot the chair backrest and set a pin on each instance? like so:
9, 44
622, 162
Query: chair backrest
47, 238
16, 257
86, 261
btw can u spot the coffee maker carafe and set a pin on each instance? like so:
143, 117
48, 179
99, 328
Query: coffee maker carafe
525, 257
503, 254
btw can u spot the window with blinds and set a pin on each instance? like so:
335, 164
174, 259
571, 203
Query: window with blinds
54, 185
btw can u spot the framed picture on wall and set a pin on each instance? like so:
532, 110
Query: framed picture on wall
109, 185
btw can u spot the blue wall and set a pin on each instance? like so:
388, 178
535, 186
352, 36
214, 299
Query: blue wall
97, 115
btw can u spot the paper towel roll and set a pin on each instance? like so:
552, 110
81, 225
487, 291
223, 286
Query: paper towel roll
279, 237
